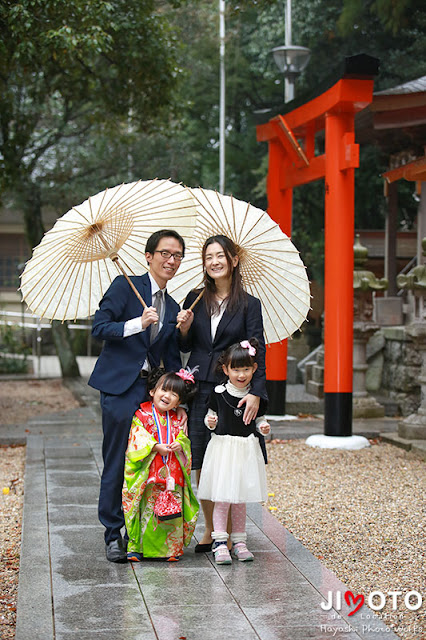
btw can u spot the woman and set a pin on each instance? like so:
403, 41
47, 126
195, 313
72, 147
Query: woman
226, 314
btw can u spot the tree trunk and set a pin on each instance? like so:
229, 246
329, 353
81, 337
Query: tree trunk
62, 340
30, 199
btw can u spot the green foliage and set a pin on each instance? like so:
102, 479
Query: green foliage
317, 25
13, 350
77, 77
308, 227
392, 15
95, 93
68, 68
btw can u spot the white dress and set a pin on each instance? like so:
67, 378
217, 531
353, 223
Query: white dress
234, 467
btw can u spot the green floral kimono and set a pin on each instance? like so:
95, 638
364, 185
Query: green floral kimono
149, 536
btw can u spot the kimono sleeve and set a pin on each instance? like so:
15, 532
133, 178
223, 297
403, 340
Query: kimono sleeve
140, 442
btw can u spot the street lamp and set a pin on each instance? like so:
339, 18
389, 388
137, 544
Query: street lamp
290, 60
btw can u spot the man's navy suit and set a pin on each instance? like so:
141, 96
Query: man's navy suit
117, 376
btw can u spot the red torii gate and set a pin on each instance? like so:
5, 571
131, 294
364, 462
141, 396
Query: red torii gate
292, 162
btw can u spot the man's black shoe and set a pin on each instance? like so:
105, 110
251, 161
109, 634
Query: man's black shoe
116, 551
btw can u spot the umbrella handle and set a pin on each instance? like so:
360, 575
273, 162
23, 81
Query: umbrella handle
197, 299
138, 295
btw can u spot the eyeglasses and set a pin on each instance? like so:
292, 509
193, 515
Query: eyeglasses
166, 255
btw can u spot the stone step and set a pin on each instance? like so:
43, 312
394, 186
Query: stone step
418, 447
299, 401
315, 389
317, 374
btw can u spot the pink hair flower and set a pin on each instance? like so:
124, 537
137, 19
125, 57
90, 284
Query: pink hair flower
187, 374
245, 344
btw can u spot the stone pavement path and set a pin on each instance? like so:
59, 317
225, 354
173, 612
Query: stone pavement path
68, 590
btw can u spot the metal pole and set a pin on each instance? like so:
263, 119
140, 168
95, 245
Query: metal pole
222, 98
38, 342
288, 81
287, 38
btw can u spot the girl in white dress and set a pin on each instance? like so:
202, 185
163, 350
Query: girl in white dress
233, 471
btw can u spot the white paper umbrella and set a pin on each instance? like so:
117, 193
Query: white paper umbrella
77, 260
270, 264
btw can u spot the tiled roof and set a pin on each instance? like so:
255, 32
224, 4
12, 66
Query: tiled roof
413, 86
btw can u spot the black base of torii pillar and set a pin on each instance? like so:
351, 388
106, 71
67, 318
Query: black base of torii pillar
338, 414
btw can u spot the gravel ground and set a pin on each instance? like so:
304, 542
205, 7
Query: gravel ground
12, 464
19, 400
362, 513
23, 399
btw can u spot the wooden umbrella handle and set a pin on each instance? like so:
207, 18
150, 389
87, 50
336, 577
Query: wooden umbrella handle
138, 295
197, 299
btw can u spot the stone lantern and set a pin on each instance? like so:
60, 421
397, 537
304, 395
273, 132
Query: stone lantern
415, 281
414, 426
365, 282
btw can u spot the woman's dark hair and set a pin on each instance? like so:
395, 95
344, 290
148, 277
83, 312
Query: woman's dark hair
154, 239
237, 296
171, 381
237, 356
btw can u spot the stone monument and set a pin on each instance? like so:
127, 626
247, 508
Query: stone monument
365, 282
414, 426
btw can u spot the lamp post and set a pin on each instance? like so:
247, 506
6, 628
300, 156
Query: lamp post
222, 97
290, 59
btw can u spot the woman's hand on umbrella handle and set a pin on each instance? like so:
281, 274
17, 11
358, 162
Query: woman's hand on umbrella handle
149, 316
252, 407
184, 318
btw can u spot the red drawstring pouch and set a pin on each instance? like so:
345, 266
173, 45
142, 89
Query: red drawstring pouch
167, 506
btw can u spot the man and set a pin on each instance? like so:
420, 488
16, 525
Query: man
134, 343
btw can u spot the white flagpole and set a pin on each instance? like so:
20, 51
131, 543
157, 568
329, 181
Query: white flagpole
288, 82
222, 98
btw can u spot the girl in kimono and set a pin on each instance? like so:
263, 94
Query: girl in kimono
233, 471
160, 508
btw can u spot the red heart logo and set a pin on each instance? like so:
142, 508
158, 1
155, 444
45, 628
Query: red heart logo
351, 599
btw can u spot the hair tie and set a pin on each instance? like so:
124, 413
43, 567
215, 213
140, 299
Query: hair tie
187, 374
245, 344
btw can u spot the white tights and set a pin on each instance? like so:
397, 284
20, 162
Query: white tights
220, 520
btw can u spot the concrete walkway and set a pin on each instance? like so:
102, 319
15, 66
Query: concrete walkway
68, 590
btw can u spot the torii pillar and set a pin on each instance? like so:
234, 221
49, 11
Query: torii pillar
280, 203
292, 162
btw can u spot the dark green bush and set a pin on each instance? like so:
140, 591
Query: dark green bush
13, 350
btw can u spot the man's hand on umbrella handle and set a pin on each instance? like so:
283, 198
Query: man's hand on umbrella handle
184, 320
149, 316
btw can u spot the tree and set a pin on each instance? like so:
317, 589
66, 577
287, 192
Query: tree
67, 69
187, 145
392, 15
127, 124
